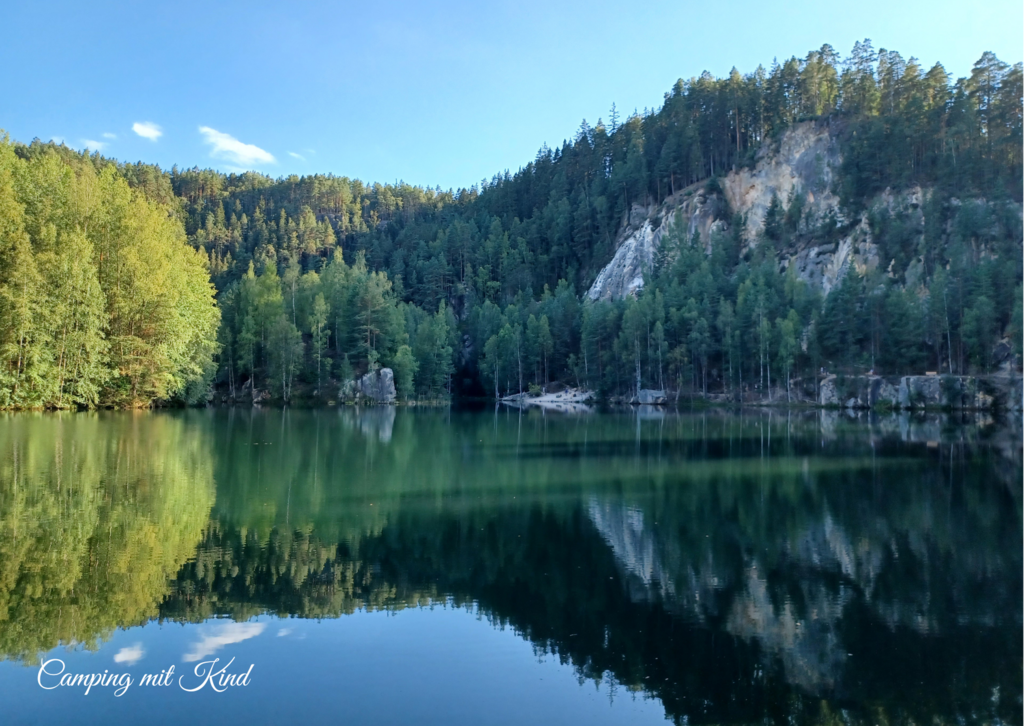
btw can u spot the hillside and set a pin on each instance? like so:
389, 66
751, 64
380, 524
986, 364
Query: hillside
845, 214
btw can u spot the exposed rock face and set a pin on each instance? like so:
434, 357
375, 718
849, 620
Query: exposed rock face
624, 275
983, 392
641, 239
994, 392
802, 165
859, 391
823, 266
376, 386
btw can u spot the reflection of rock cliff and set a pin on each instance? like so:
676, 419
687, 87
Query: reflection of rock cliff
634, 546
808, 643
771, 581
791, 595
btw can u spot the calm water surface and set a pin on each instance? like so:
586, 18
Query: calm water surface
445, 567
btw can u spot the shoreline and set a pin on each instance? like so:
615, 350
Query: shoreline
996, 393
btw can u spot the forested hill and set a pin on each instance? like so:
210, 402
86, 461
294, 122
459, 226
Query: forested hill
320, 278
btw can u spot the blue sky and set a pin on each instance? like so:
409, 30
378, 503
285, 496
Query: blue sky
432, 93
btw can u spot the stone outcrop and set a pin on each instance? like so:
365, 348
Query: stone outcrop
648, 397
801, 165
568, 400
985, 393
641, 239
247, 393
374, 387
859, 391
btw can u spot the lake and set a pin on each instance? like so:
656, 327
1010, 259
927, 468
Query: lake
502, 567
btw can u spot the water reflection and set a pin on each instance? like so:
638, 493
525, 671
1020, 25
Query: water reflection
735, 567
96, 514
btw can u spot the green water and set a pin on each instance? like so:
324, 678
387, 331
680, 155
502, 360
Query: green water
473, 567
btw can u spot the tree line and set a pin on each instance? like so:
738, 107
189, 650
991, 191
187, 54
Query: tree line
103, 302
477, 291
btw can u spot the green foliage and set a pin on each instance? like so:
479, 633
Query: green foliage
979, 329
358, 270
103, 301
433, 343
405, 366
133, 493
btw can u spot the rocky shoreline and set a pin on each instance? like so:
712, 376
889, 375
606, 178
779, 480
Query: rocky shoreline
979, 393
1002, 391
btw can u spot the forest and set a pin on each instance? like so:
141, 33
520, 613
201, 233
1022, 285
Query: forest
199, 283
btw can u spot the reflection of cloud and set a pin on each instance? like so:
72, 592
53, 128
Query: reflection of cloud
283, 632
227, 147
147, 130
223, 635
130, 655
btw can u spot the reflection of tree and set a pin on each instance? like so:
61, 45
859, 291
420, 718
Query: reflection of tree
733, 569
550, 576
96, 513
241, 574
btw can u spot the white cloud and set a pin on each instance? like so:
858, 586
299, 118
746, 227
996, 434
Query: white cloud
94, 145
300, 157
57, 140
147, 130
130, 655
108, 135
227, 148
222, 635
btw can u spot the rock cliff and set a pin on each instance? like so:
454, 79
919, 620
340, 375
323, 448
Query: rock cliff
697, 210
801, 165
1002, 392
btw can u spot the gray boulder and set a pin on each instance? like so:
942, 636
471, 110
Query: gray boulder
858, 392
927, 391
983, 393
374, 387
649, 397
829, 395
378, 386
